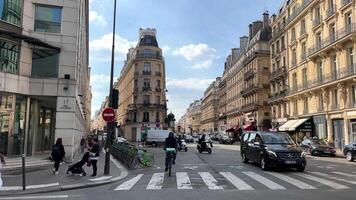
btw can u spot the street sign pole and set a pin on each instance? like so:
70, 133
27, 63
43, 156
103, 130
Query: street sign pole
109, 127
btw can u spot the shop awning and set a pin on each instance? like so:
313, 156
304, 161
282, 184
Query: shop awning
292, 125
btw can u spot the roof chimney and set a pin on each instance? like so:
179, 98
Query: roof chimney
249, 32
243, 42
256, 26
265, 19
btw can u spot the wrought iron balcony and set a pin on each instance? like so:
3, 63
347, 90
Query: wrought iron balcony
249, 90
149, 56
158, 89
146, 72
331, 11
249, 107
298, 10
146, 88
249, 75
280, 72
158, 73
278, 96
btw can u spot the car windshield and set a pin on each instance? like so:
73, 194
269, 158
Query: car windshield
319, 142
277, 138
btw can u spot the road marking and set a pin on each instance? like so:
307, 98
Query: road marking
156, 182
345, 174
333, 177
127, 185
210, 181
268, 183
291, 180
323, 181
100, 178
12, 188
237, 182
183, 181
35, 197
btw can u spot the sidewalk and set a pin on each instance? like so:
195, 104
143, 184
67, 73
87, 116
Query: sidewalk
45, 180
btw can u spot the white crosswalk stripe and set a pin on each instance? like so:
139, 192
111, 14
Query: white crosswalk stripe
127, 185
331, 184
268, 183
291, 180
333, 177
210, 181
156, 182
345, 174
237, 182
183, 181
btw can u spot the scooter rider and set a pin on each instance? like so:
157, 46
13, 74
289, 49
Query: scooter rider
170, 142
179, 141
202, 141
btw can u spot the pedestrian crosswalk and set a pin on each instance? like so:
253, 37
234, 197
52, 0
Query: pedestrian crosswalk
244, 180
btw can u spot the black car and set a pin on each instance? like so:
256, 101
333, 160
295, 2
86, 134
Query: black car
318, 147
272, 149
226, 140
350, 151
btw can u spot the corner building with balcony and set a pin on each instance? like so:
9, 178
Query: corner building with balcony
321, 46
247, 80
209, 108
44, 76
142, 88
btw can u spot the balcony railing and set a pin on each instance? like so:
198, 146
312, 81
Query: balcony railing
317, 21
158, 89
278, 96
334, 106
249, 90
149, 55
146, 72
345, 2
297, 11
324, 79
146, 88
249, 58
249, 107
331, 11
158, 73
303, 57
333, 38
249, 75
281, 72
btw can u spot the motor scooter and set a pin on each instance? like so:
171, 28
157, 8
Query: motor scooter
182, 146
205, 146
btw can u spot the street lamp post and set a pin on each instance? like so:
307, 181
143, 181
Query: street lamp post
110, 125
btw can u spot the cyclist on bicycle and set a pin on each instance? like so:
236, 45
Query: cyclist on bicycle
170, 142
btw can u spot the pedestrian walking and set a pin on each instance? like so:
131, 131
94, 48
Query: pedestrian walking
2, 162
94, 155
57, 154
82, 145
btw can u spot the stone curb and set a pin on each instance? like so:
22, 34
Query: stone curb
124, 173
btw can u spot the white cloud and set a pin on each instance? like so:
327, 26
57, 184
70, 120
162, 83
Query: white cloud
96, 79
122, 45
189, 83
95, 17
166, 49
201, 55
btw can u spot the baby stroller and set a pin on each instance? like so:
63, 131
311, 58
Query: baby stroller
77, 168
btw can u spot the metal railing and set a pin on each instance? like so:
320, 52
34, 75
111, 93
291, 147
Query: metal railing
148, 55
158, 73
249, 90
345, 2
298, 10
146, 72
146, 88
249, 75
278, 95
331, 11
279, 72
132, 156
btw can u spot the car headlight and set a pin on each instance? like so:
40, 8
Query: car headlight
272, 153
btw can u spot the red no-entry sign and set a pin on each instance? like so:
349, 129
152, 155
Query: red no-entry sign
108, 114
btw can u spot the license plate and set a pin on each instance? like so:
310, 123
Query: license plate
290, 162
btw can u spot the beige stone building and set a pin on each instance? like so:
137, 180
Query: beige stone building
248, 79
142, 88
98, 123
193, 118
209, 108
321, 69
44, 75
279, 74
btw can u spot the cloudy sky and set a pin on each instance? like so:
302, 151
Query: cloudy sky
195, 35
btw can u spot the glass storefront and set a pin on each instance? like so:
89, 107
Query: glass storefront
13, 124
320, 126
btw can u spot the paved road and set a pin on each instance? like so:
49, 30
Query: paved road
222, 175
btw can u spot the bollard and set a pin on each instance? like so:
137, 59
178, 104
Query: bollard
23, 173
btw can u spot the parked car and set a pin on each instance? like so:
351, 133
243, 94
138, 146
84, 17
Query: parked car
156, 137
318, 147
272, 149
226, 140
189, 138
350, 151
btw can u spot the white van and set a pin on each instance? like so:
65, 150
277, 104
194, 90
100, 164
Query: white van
155, 137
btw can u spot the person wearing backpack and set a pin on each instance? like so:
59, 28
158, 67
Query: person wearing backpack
57, 154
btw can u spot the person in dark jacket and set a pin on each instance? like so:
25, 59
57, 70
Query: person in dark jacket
57, 154
170, 142
94, 155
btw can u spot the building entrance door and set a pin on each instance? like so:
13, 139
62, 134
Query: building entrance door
338, 128
45, 135
353, 131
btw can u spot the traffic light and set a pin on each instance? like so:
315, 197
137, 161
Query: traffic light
115, 99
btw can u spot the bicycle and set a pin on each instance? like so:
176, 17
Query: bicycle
170, 152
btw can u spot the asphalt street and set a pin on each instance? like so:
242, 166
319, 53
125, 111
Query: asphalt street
222, 175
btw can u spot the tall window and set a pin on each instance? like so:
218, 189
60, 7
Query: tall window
317, 16
334, 67
283, 43
294, 80
146, 99
45, 63
306, 108
348, 22
293, 36
320, 71
158, 83
157, 117
318, 40
11, 11
295, 107
335, 99
9, 57
277, 46
48, 19
147, 67
146, 83
302, 27
158, 100
146, 117
321, 102
351, 59
294, 57
353, 95
304, 51
305, 77
332, 32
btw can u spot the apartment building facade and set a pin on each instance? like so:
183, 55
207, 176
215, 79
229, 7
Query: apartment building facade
44, 75
321, 69
142, 88
248, 80
209, 108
